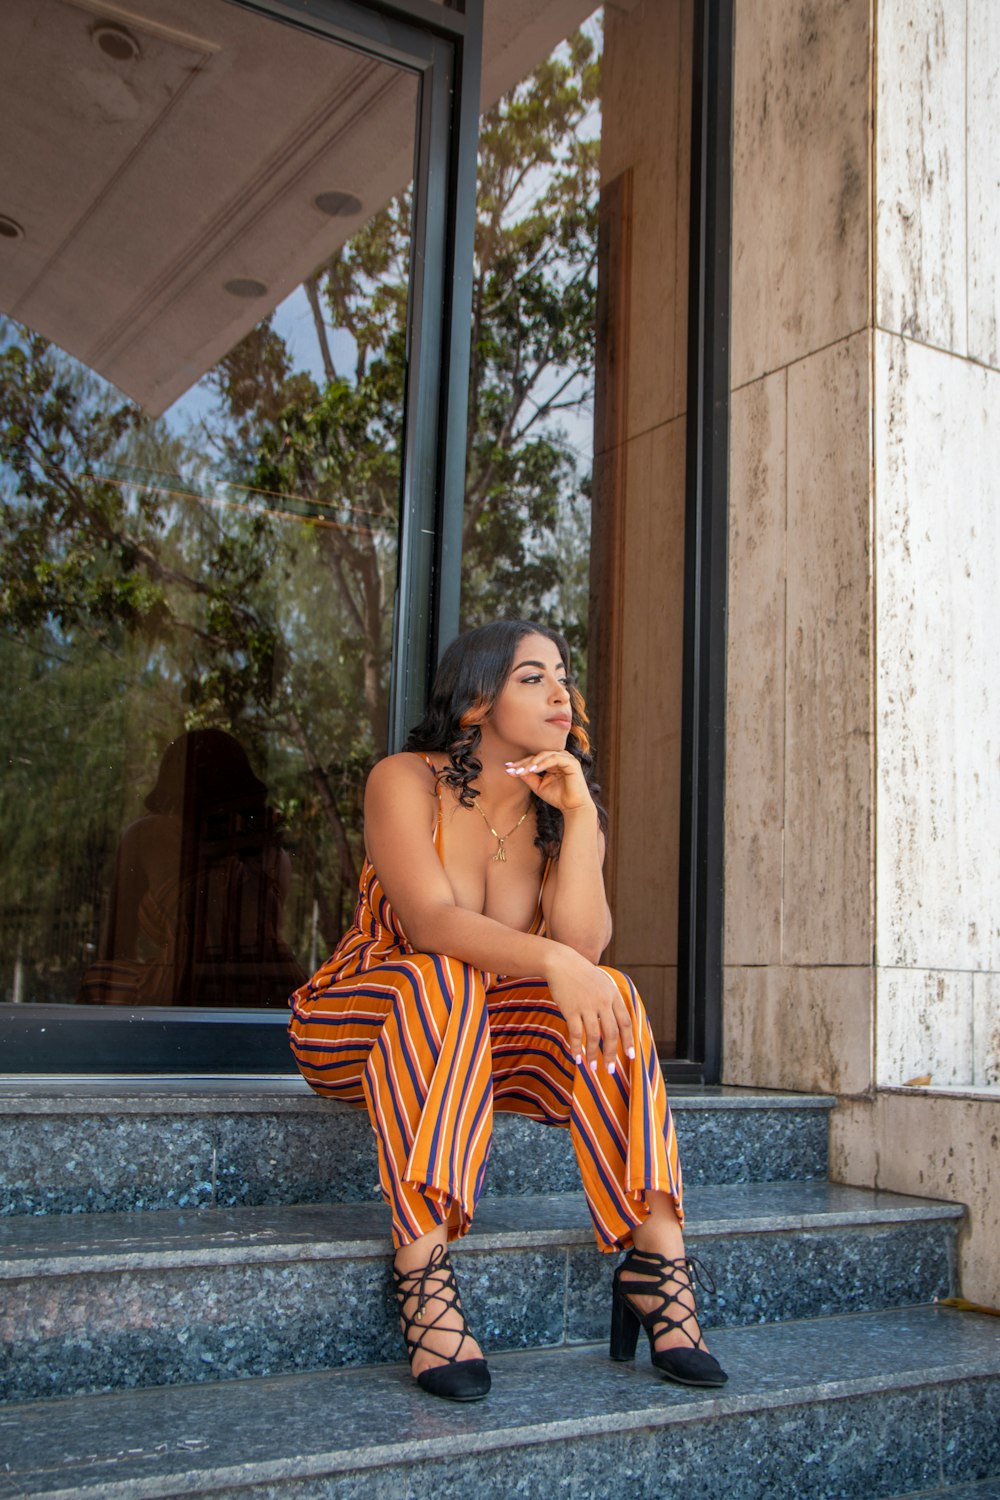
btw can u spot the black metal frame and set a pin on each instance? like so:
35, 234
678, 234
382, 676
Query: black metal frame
700, 926
442, 45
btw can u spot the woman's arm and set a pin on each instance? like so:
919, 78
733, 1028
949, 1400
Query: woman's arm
574, 900
400, 809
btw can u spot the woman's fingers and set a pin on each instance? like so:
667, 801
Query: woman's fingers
624, 1026
607, 1029
577, 1038
598, 1022
593, 1049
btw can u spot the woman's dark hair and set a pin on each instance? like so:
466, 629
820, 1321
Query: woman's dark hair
470, 678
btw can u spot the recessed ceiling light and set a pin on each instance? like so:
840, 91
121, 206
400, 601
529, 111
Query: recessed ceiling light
10, 229
245, 286
337, 205
115, 42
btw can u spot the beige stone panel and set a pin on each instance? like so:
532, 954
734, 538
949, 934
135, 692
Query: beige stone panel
923, 1026
920, 195
937, 530
649, 695
986, 1030
804, 1029
801, 178
755, 712
657, 986
646, 126
983, 179
934, 1147
828, 726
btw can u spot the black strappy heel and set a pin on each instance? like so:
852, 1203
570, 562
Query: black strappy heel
668, 1280
456, 1379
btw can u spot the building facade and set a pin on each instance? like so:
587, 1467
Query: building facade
861, 945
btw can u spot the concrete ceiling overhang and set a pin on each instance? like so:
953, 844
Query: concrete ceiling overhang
162, 162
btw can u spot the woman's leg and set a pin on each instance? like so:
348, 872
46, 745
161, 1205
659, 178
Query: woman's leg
429, 1094
429, 1301
619, 1121
660, 1233
409, 1039
428, 1089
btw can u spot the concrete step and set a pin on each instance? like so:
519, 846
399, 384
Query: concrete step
117, 1145
92, 1302
861, 1407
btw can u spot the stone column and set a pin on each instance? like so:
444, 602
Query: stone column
863, 821
799, 922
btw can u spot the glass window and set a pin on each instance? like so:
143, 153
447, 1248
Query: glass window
527, 511
204, 253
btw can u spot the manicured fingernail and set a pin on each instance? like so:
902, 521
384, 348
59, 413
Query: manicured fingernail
511, 772
508, 762
631, 1052
593, 1066
519, 771
579, 1060
611, 1067
532, 768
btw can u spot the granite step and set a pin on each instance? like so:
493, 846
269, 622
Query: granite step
117, 1145
985, 1489
93, 1302
861, 1406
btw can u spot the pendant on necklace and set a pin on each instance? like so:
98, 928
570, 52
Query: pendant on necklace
500, 857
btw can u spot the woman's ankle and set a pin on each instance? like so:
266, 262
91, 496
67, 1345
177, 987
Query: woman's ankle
415, 1255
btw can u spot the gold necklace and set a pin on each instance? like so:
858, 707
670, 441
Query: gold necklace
501, 838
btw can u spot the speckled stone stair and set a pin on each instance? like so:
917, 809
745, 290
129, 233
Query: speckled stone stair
867, 1406
87, 1146
163, 1236
97, 1301
984, 1489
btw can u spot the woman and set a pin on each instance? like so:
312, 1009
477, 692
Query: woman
470, 981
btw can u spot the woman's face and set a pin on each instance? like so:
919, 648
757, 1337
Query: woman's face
533, 710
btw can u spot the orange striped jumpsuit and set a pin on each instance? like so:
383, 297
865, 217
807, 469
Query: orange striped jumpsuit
432, 1045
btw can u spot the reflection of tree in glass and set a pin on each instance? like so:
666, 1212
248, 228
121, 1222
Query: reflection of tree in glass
527, 492
155, 580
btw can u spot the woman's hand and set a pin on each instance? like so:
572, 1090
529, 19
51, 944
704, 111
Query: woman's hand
556, 777
595, 1012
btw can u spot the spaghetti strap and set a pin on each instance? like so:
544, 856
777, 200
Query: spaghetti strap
437, 790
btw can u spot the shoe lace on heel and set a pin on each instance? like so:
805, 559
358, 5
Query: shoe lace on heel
454, 1378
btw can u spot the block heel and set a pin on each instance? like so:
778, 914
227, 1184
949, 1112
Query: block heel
624, 1326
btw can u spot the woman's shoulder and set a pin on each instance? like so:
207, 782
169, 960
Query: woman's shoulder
402, 774
400, 794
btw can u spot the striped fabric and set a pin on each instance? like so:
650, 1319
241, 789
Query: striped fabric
432, 1046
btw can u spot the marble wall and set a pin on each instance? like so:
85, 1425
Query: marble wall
799, 897
864, 718
936, 402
